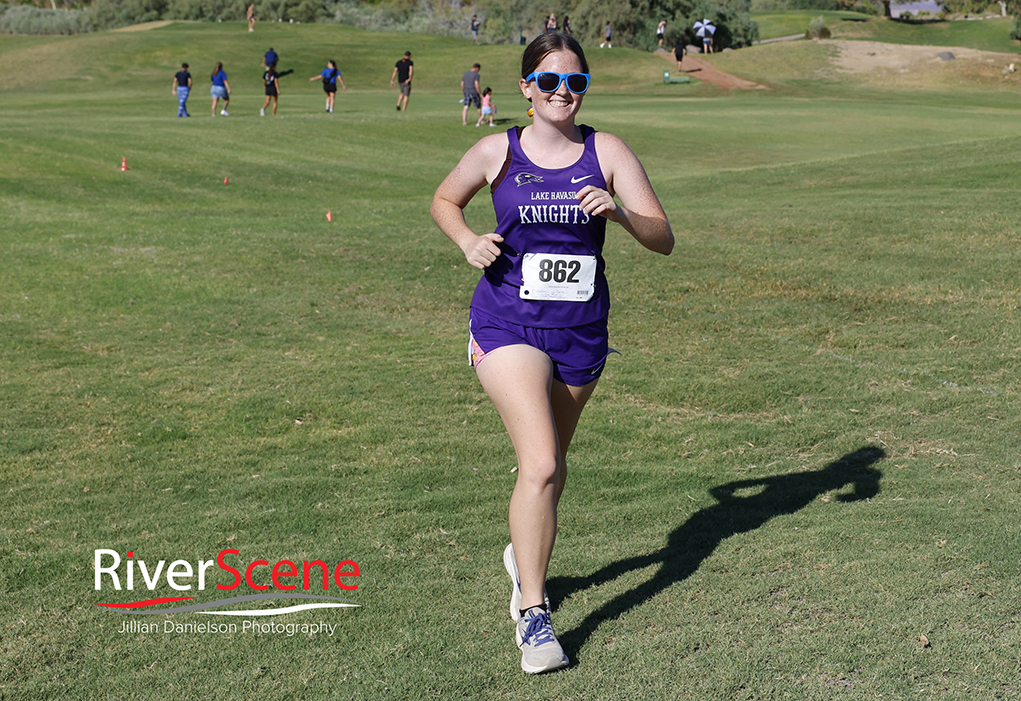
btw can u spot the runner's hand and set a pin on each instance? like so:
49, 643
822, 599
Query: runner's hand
483, 251
597, 201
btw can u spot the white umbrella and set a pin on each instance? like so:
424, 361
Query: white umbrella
703, 27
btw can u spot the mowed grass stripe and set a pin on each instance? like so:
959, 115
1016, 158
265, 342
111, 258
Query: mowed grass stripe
191, 366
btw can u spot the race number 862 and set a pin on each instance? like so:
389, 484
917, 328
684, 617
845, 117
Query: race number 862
559, 270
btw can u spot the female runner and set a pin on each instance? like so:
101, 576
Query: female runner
538, 317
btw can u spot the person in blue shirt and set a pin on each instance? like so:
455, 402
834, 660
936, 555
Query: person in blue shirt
330, 77
475, 29
270, 59
181, 88
220, 89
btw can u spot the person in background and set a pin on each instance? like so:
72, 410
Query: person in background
270, 59
661, 32
181, 88
272, 84
330, 76
404, 71
470, 92
251, 17
488, 108
220, 89
608, 34
567, 25
551, 23
680, 48
475, 29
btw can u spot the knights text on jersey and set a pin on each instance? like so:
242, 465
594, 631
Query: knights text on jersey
551, 272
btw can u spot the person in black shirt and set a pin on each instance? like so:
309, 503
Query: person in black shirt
404, 71
181, 88
269, 79
680, 48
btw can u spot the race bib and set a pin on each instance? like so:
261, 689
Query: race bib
557, 277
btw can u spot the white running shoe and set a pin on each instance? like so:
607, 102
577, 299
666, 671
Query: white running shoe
540, 649
262, 113
510, 563
224, 113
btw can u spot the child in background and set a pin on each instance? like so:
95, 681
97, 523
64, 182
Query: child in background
488, 108
330, 77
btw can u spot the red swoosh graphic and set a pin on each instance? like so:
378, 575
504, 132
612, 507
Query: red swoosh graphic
147, 602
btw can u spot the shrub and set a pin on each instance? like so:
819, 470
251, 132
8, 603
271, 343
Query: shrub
210, 10
439, 17
817, 28
1015, 30
26, 19
110, 14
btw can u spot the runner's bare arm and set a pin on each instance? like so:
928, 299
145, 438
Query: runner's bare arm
639, 211
477, 168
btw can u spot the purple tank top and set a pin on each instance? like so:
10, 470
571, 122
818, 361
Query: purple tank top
551, 272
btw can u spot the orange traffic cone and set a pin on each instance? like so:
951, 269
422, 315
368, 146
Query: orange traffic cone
124, 163
329, 216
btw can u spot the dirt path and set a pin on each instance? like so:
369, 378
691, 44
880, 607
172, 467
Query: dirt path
144, 26
703, 70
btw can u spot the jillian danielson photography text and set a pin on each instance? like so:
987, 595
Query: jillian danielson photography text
247, 627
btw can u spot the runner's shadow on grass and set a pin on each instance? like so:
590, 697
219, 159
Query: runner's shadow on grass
741, 507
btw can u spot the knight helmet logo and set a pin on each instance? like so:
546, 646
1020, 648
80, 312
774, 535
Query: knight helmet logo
525, 178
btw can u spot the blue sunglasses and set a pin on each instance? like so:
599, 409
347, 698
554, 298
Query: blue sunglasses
547, 81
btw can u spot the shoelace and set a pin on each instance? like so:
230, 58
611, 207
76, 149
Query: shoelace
540, 630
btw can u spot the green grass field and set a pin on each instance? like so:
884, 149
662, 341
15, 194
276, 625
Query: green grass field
987, 35
785, 23
804, 460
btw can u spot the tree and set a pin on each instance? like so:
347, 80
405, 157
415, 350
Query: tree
734, 26
1008, 7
